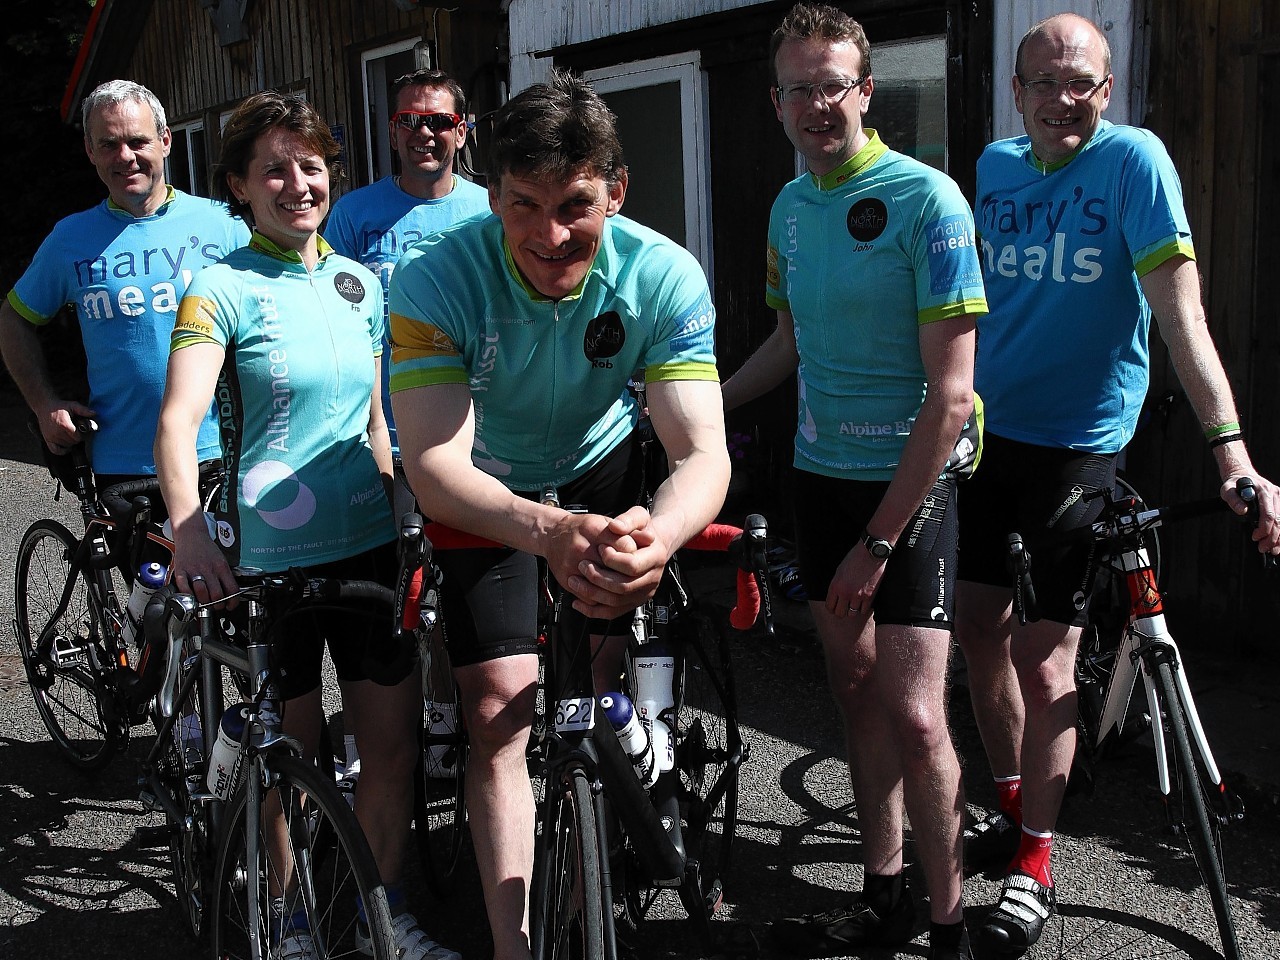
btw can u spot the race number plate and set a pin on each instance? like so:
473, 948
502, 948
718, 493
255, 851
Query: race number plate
574, 714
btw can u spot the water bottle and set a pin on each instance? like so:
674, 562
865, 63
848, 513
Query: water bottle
150, 578
632, 734
226, 751
655, 671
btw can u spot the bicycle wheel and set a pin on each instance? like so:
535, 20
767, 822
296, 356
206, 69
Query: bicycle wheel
440, 806
1190, 809
312, 884
64, 648
191, 840
567, 909
709, 752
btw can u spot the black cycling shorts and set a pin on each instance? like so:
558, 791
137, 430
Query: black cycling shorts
918, 586
490, 596
1031, 490
361, 644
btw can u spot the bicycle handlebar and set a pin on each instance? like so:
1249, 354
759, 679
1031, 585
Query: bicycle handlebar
746, 546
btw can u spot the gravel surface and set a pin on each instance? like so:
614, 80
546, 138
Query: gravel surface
84, 872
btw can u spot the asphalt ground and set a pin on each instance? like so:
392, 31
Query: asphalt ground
83, 873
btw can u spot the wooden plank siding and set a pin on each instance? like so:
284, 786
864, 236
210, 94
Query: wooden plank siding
310, 47
1213, 100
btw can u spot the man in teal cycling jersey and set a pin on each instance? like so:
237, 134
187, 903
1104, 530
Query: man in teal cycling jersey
1083, 240
513, 340
125, 265
873, 271
376, 224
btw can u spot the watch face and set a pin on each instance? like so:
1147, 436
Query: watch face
880, 550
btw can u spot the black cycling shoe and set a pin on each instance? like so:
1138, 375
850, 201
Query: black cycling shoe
990, 844
847, 928
1018, 919
961, 951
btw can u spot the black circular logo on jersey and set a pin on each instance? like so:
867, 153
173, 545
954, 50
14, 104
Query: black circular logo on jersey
349, 287
604, 337
867, 219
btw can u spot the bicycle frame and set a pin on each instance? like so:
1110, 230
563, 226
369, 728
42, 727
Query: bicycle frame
1145, 641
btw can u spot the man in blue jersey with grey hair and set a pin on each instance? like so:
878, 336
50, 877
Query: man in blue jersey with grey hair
124, 264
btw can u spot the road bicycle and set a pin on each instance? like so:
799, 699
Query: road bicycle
82, 657
265, 849
1197, 803
607, 844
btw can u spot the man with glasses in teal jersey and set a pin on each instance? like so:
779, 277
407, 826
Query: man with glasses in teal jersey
376, 224
1083, 239
125, 265
874, 274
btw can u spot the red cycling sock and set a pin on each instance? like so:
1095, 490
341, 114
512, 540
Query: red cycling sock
1009, 794
1033, 855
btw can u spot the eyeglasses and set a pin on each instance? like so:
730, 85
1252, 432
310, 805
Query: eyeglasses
1081, 88
435, 122
832, 91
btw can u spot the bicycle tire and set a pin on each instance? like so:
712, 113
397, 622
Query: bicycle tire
192, 841
73, 699
1199, 825
709, 751
567, 908
321, 831
439, 803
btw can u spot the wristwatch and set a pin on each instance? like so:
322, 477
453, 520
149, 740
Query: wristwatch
880, 549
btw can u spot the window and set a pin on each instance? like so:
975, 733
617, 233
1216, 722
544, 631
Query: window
661, 109
909, 105
379, 68
187, 168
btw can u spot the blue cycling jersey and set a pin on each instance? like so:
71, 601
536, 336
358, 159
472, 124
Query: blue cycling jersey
376, 224
126, 275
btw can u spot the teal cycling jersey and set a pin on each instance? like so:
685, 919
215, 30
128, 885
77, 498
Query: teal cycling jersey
1063, 357
126, 276
293, 398
376, 224
549, 379
861, 257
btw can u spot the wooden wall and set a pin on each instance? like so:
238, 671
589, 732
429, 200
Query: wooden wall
308, 46
1215, 101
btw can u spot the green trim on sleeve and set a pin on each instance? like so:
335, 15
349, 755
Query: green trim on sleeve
777, 303
1164, 253
971, 307
24, 311
410, 379
681, 371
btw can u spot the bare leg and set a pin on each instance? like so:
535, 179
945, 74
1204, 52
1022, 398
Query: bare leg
911, 668
983, 622
498, 700
387, 740
850, 649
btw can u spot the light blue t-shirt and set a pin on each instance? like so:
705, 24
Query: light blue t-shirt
293, 399
862, 257
376, 224
1063, 355
126, 275
549, 378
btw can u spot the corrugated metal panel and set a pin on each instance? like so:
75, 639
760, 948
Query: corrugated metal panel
537, 26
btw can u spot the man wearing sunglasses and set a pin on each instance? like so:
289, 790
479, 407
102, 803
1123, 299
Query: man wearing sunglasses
376, 224
1083, 239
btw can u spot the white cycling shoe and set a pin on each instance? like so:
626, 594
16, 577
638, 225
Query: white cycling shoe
297, 946
411, 942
